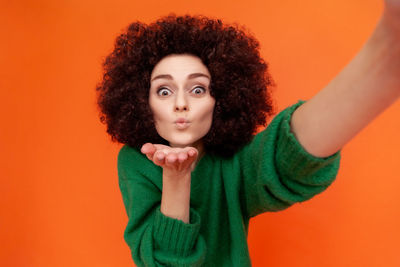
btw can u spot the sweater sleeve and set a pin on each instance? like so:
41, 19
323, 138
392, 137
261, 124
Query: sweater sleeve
154, 238
278, 172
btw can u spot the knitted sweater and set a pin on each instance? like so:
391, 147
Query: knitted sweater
270, 173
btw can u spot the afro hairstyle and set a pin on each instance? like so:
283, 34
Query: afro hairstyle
240, 82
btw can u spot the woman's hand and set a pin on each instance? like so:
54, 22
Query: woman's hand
175, 160
176, 163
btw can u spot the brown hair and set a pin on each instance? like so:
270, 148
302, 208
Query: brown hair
240, 82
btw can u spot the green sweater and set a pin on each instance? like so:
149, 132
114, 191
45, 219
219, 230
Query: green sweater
270, 173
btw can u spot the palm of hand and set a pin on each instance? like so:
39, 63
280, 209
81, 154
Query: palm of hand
171, 158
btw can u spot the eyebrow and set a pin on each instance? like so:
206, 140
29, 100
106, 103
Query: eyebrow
191, 76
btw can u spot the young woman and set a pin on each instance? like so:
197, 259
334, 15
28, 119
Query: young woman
186, 95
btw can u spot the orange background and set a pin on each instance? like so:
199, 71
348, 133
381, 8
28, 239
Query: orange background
60, 201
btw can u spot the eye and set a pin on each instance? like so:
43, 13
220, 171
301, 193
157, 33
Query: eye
164, 91
198, 90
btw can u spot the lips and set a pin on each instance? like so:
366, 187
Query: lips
181, 120
182, 123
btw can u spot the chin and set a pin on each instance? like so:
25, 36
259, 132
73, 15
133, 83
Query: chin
180, 144
183, 142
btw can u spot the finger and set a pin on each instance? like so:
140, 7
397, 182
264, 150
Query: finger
145, 148
159, 158
167, 150
192, 152
171, 158
148, 148
182, 156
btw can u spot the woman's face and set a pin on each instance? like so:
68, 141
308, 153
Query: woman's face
180, 99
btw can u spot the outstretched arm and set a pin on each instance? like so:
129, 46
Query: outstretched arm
368, 85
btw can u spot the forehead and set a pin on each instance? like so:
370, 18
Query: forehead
179, 65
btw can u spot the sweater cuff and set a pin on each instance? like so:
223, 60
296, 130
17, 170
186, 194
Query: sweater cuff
175, 236
294, 161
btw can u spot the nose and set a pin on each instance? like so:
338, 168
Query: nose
181, 103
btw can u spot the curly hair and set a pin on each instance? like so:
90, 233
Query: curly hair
240, 82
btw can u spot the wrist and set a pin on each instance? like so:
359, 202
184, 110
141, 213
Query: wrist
176, 176
175, 200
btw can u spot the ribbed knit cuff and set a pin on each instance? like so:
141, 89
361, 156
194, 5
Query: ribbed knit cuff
294, 161
175, 236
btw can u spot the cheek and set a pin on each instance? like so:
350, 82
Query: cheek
207, 113
160, 121
157, 109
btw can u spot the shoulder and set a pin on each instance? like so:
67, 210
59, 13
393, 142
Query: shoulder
131, 161
279, 123
129, 154
268, 136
